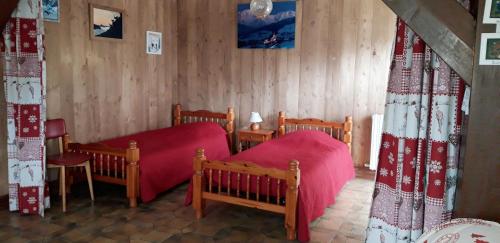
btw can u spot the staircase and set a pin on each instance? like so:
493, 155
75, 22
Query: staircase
447, 27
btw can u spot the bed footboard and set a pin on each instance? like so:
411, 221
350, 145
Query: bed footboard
249, 185
113, 165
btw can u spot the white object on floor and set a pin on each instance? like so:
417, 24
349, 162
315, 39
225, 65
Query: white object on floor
463, 231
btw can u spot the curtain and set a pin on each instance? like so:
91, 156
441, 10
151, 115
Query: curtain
417, 172
22, 56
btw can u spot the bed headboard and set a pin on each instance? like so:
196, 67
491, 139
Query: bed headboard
339, 130
225, 120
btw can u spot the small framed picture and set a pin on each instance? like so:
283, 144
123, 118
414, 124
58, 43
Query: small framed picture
490, 49
106, 23
153, 43
492, 12
50, 10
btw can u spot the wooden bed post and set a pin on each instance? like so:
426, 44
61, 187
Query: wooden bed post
281, 124
230, 127
177, 115
347, 138
293, 181
132, 159
198, 201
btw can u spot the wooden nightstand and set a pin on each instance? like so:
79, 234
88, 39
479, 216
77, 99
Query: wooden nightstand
247, 138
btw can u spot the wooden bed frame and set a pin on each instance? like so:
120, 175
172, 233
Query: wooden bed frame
108, 163
242, 196
339, 130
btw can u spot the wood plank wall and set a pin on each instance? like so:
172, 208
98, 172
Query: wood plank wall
478, 191
105, 89
339, 66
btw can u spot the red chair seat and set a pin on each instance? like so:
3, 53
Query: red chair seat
68, 159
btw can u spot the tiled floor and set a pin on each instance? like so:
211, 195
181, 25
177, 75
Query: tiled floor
167, 220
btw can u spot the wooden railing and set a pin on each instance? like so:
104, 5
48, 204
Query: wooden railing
241, 183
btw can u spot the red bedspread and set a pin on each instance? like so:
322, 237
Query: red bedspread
166, 155
325, 165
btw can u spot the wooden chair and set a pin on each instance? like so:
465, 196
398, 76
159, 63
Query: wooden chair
56, 129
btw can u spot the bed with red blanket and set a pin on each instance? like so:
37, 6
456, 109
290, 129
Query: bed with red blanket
298, 174
165, 154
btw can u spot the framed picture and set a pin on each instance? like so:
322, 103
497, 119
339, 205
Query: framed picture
490, 49
492, 12
153, 43
272, 32
106, 23
50, 10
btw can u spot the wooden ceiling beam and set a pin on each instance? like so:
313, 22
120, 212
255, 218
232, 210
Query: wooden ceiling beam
447, 27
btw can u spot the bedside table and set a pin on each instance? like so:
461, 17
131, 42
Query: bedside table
247, 138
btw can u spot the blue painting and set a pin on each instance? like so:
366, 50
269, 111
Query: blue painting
274, 31
51, 10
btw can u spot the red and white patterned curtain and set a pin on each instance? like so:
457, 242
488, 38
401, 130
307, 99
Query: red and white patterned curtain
417, 172
22, 57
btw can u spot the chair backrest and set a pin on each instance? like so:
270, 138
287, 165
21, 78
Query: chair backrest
55, 128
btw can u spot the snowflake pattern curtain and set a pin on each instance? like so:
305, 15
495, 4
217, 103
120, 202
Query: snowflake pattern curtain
417, 173
22, 56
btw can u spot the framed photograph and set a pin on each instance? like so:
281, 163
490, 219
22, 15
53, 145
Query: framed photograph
490, 49
272, 32
492, 12
153, 43
50, 10
106, 23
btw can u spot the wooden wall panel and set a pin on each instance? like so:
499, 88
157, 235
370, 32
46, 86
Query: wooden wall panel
478, 191
339, 66
314, 30
105, 89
